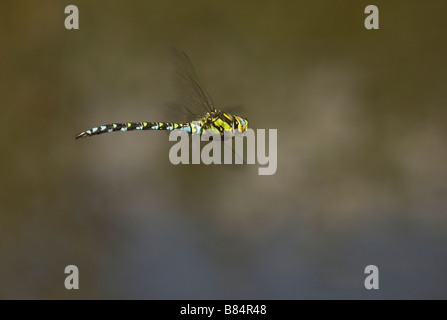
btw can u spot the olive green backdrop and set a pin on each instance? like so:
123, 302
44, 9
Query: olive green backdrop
362, 157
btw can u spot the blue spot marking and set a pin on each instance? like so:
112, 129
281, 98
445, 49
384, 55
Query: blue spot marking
139, 128
110, 130
103, 128
155, 127
124, 129
169, 128
89, 132
94, 129
187, 129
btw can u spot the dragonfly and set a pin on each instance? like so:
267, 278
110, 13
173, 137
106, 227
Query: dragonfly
205, 118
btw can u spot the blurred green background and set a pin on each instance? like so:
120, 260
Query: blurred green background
362, 157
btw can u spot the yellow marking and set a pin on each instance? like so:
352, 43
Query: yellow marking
220, 123
175, 125
145, 124
129, 124
115, 125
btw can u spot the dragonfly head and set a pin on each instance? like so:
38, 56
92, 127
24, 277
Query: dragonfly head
242, 124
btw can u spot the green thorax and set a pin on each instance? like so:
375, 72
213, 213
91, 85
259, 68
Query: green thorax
216, 122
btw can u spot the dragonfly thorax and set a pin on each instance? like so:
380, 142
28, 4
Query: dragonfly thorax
222, 123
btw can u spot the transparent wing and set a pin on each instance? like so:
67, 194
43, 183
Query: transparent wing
193, 97
178, 112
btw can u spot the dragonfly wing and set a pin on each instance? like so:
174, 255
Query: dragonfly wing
192, 95
179, 112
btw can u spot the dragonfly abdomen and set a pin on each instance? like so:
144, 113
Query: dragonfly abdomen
129, 126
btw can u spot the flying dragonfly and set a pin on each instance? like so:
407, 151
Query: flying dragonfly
205, 118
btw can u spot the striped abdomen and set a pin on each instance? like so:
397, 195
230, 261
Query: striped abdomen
129, 126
